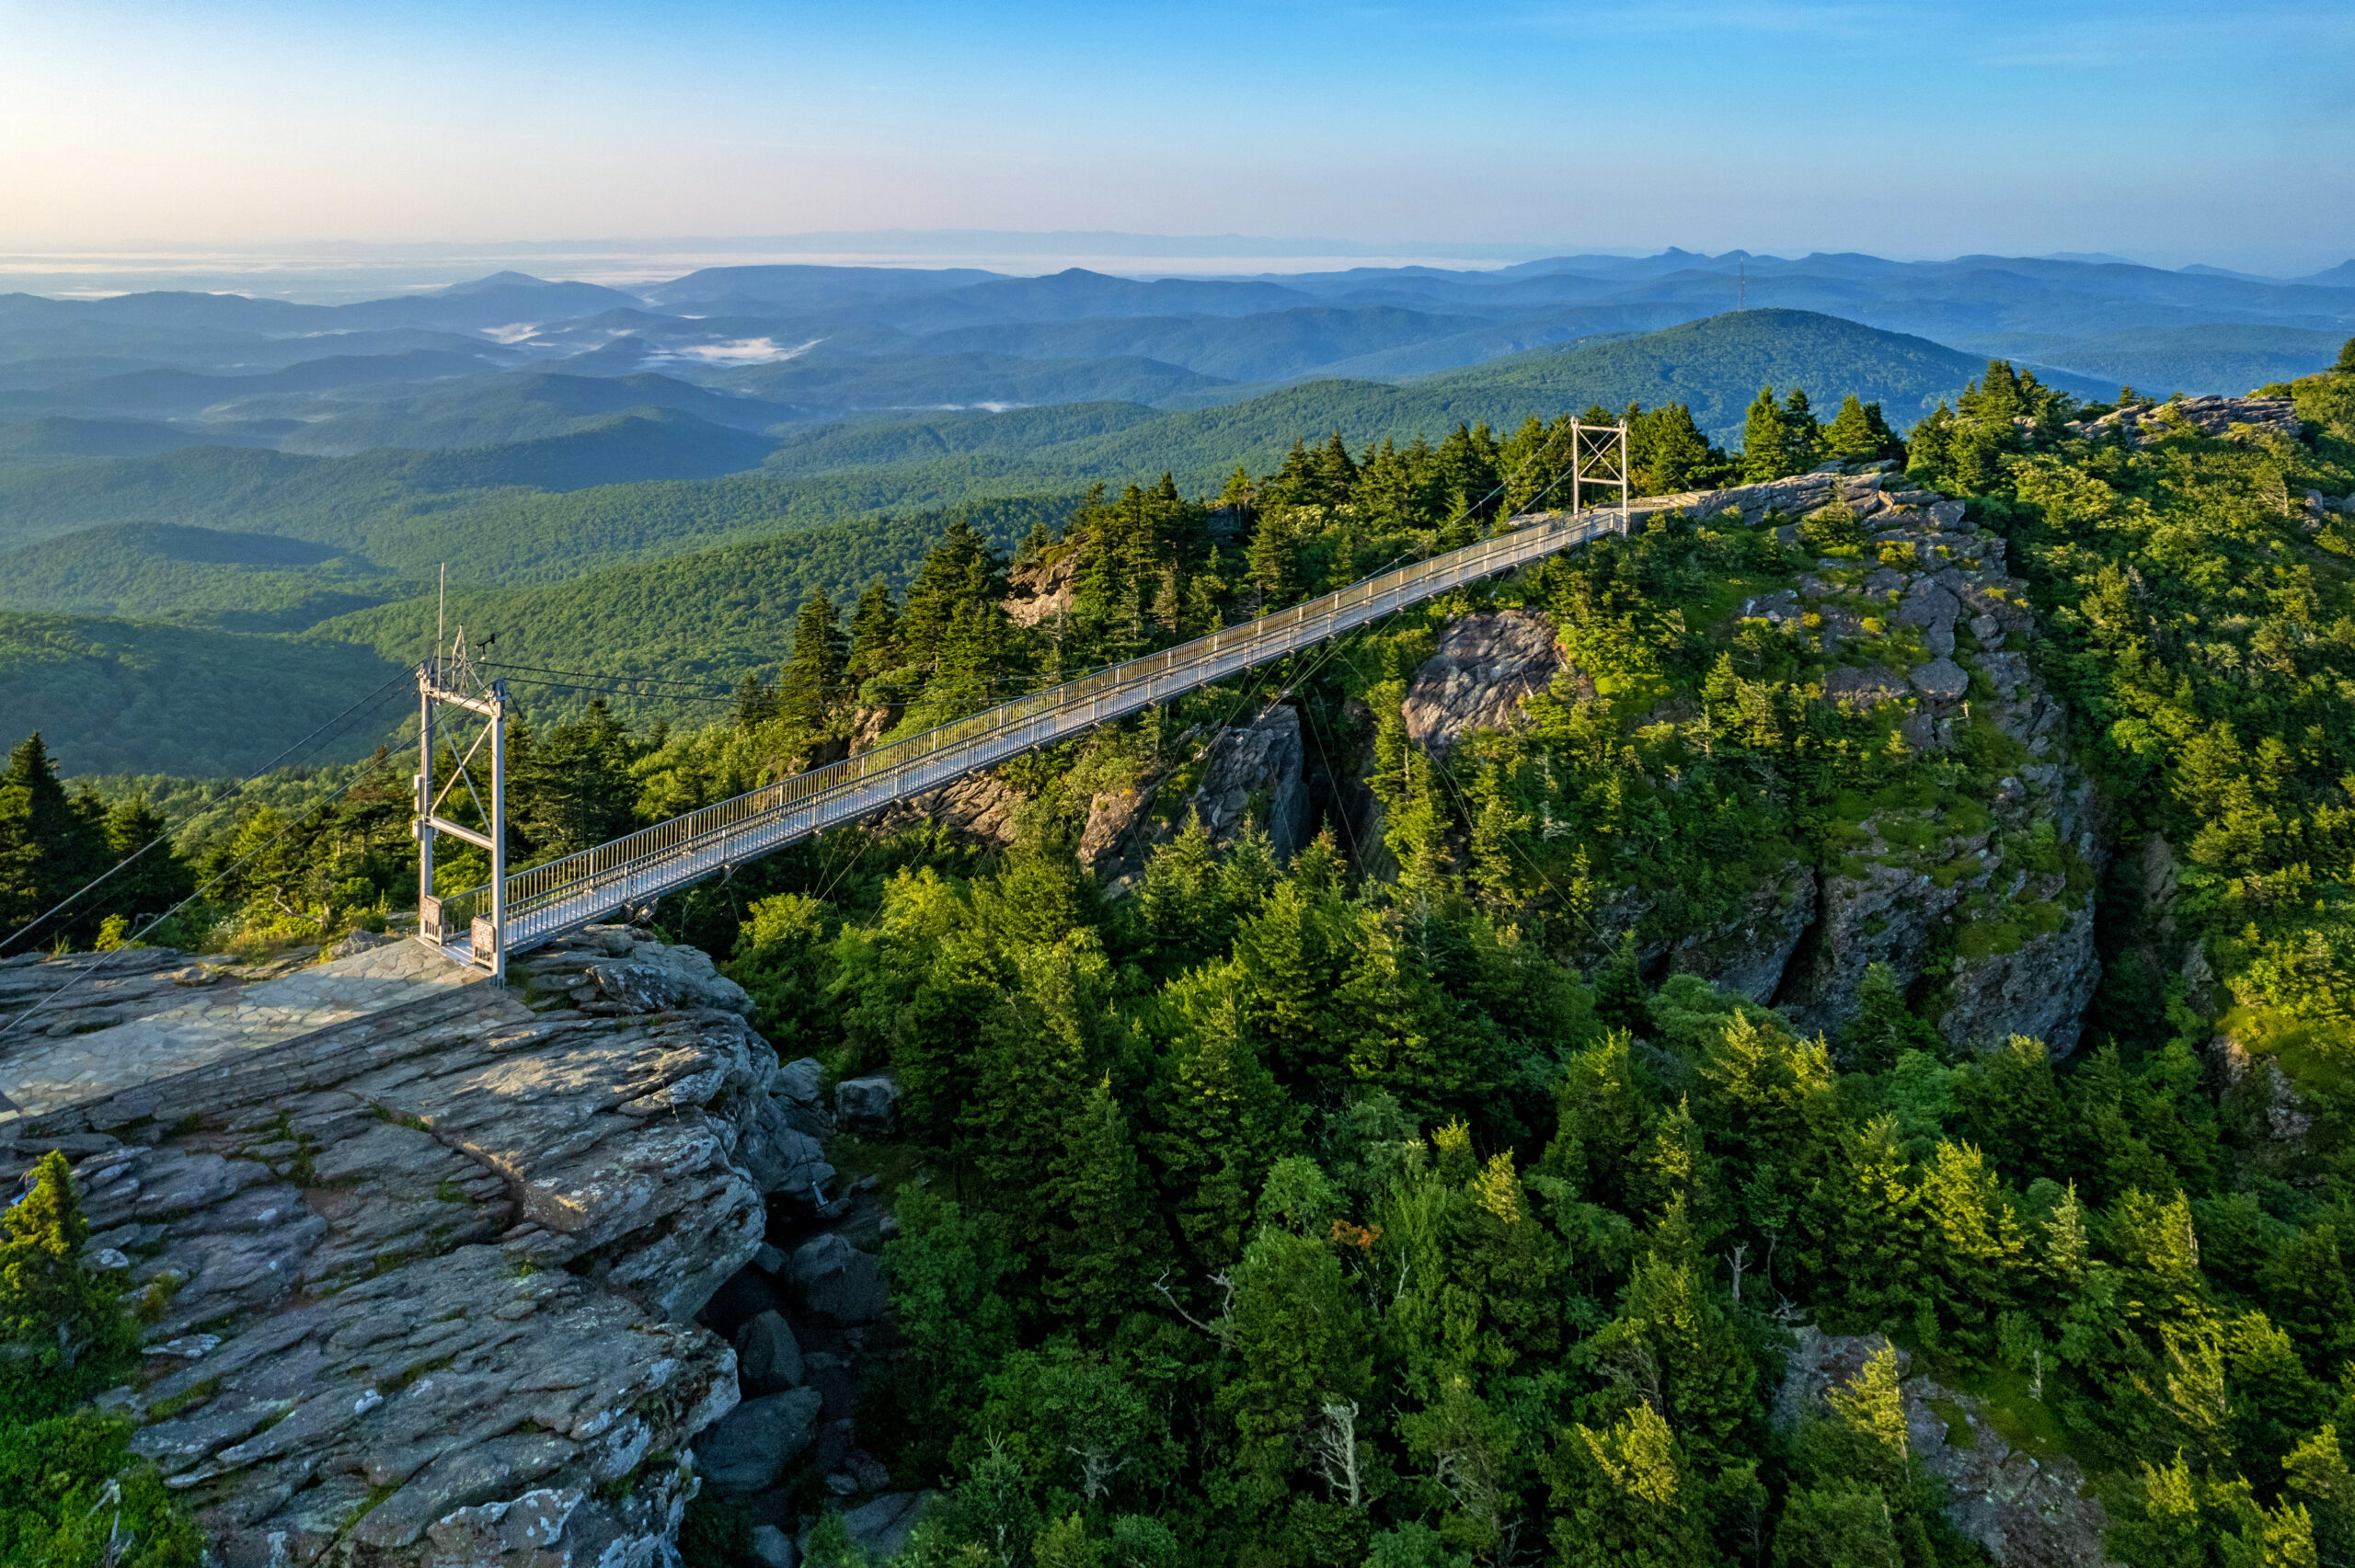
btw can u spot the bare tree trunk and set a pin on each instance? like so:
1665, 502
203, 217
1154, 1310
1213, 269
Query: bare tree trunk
1333, 1449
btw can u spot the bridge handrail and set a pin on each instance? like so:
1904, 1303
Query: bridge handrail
554, 881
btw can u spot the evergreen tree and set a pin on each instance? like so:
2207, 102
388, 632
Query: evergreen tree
1621, 998
573, 790
1858, 433
1803, 437
1669, 451
1302, 1341
812, 686
755, 703
874, 635
959, 576
1625, 1502
1767, 451
1225, 1120
150, 884
61, 1323
1105, 1233
1271, 565
51, 843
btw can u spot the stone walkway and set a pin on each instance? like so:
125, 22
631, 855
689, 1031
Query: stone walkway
49, 1073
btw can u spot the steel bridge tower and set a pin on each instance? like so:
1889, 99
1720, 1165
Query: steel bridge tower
441, 684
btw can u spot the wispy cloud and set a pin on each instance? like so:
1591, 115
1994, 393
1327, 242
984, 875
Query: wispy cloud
743, 351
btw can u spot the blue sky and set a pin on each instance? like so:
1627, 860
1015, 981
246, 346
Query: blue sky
2174, 132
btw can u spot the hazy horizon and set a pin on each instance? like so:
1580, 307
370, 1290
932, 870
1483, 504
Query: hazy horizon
335, 272
1902, 130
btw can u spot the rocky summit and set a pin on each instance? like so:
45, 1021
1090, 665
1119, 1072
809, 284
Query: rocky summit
423, 1286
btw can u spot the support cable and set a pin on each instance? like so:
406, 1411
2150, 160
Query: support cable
165, 835
347, 787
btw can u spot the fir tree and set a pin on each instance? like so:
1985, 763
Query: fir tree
755, 703
1625, 1502
814, 683
573, 789
62, 1323
51, 843
1766, 447
1858, 432
1105, 1228
1670, 453
874, 635
155, 882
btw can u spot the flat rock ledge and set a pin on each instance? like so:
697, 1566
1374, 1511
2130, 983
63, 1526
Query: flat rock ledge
423, 1283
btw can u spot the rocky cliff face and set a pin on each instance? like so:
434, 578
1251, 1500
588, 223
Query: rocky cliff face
1230, 776
422, 1286
1978, 893
1752, 952
1485, 664
2027, 1510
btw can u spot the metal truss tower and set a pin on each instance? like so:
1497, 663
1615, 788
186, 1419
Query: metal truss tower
1599, 457
456, 682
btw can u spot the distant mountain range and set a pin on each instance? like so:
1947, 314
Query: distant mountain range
195, 488
772, 346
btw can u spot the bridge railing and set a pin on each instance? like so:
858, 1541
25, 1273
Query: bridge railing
546, 894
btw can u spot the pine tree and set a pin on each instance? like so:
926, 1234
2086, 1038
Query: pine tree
812, 686
1105, 1228
1766, 441
874, 635
51, 843
62, 1325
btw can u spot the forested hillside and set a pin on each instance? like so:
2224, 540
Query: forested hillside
1815, 1033
117, 538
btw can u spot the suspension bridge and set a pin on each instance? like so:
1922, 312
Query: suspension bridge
514, 912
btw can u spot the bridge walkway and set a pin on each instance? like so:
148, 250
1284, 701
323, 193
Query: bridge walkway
546, 902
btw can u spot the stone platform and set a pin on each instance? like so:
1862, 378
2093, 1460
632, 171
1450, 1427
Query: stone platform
47, 1073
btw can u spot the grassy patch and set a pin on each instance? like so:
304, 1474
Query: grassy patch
2312, 1051
1960, 1433
2027, 1424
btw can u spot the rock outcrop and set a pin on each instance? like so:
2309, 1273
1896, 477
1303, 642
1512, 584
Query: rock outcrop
422, 1284
2027, 1510
2208, 416
1913, 883
122, 986
1485, 664
1042, 588
1256, 771
1752, 952
1871, 490
978, 806
2041, 990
